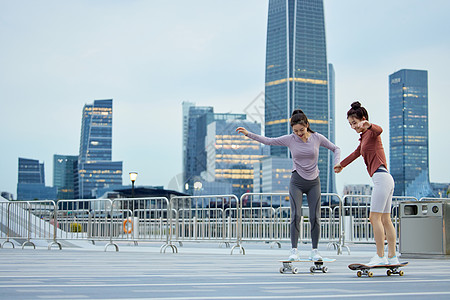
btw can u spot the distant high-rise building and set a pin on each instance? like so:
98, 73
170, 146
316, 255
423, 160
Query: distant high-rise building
31, 181
64, 167
230, 155
275, 175
215, 155
95, 168
186, 107
198, 118
297, 74
408, 132
331, 188
31, 171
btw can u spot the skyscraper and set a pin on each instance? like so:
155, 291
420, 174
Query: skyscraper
297, 73
215, 155
198, 118
64, 167
95, 167
331, 185
274, 175
408, 132
231, 155
186, 107
31, 181
31, 171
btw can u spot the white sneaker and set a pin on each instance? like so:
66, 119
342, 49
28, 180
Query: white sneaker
378, 261
393, 260
315, 255
295, 255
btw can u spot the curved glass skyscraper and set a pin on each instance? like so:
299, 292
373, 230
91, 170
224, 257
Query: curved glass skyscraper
297, 74
95, 168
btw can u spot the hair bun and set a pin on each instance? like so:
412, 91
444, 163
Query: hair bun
356, 105
298, 111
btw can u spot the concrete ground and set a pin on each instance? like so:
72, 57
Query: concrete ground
206, 271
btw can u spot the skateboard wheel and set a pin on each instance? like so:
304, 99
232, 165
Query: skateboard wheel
401, 273
370, 274
295, 270
324, 269
389, 272
312, 269
359, 273
281, 270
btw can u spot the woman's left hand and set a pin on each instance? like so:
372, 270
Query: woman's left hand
364, 124
338, 168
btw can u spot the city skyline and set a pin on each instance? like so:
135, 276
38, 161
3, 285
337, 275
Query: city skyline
53, 64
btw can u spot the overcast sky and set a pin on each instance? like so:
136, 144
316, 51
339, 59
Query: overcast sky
150, 56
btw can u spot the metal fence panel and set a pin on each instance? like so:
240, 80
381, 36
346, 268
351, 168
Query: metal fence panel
267, 216
25, 221
205, 218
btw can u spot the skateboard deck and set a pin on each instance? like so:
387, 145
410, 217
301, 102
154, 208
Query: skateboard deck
365, 270
318, 265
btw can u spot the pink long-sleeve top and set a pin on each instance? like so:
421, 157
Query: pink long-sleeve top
305, 155
371, 149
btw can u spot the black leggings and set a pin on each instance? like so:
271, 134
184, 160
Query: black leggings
311, 188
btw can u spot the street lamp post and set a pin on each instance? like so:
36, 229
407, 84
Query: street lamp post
133, 176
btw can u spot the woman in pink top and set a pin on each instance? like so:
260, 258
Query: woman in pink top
371, 149
304, 145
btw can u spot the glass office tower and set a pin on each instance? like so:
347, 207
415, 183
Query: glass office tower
231, 155
408, 132
297, 73
31, 171
31, 181
95, 168
96, 131
331, 185
186, 107
64, 167
198, 118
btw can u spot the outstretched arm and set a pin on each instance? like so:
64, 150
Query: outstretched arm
377, 130
278, 141
329, 145
354, 155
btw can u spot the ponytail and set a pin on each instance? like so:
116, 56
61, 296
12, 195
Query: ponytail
299, 117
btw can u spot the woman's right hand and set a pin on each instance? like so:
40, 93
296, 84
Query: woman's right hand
242, 130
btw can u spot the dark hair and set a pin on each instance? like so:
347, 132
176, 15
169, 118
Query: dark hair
357, 111
299, 117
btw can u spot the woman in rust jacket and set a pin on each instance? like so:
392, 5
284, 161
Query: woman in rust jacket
371, 149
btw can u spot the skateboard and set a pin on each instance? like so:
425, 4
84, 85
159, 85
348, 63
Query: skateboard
365, 270
318, 265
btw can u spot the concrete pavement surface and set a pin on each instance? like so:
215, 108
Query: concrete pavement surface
206, 271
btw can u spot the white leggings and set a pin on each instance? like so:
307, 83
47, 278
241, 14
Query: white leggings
383, 189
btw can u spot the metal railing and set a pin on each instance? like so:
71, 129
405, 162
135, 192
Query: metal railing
142, 219
266, 217
263, 217
205, 218
135, 219
24, 221
355, 217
